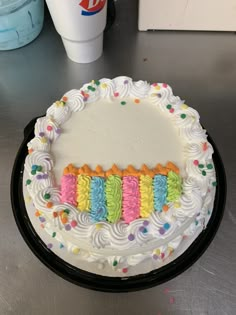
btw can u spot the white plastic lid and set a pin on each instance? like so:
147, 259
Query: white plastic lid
86, 51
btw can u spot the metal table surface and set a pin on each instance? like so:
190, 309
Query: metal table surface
201, 68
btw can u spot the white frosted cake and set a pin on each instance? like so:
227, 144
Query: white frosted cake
119, 179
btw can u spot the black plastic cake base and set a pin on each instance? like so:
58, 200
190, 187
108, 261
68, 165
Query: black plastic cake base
102, 283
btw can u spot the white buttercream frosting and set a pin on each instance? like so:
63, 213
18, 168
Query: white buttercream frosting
110, 242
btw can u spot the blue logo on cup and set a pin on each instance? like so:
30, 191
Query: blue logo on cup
92, 7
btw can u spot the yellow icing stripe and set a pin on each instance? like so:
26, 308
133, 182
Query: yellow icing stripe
146, 196
83, 192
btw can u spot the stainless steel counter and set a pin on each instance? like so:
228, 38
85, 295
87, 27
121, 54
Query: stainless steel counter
201, 68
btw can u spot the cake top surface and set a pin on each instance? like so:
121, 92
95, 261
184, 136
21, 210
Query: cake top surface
109, 132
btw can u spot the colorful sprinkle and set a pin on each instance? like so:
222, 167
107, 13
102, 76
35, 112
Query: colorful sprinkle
54, 234
104, 85
37, 213
214, 184
67, 211
55, 214
33, 172
126, 82
115, 263
168, 106
172, 300
58, 131
45, 176
47, 196
162, 231
131, 237
39, 176
34, 167
209, 166
42, 226
143, 229
75, 251
31, 151
164, 85
28, 182
166, 226
98, 226
162, 255
200, 165
177, 204
65, 98
49, 128
41, 134
116, 94
137, 101
145, 223
44, 140
61, 245
159, 95
157, 252
208, 212
123, 103
165, 208
184, 106
204, 173
157, 87
172, 110
204, 146
125, 270
73, 223
64, 220
49, 204
97, 82
196, 162
183, 116
155, 257
196, 222
42, 219
90, 87
67, 227
49, 245
39, 168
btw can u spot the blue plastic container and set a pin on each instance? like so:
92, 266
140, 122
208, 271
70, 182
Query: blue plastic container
20, 22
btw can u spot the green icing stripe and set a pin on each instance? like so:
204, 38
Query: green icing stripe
114, 198
174, 184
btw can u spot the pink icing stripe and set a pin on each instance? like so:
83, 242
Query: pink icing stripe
131, 198
68, 189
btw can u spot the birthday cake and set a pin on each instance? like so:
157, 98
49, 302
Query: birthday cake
119, 178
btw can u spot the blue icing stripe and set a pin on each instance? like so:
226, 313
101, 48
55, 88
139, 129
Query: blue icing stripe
98, 202
160, 191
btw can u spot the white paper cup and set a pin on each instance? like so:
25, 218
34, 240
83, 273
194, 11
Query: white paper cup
81, 24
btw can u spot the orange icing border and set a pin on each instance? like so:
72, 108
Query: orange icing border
115, 170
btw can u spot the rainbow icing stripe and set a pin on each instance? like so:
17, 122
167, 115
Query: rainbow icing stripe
146, 191
160, 191
131, 198
83, 192
115, 194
